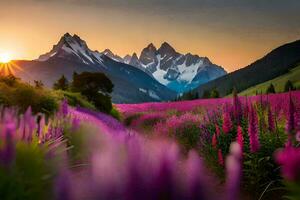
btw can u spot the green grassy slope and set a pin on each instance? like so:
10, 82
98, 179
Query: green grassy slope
279, 82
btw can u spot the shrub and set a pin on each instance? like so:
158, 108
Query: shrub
148, 120
271, 89
74, 99
115, 113
96, 87
22, 95
61, 84
185, 129
289, 86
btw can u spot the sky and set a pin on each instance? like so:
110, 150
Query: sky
231, 33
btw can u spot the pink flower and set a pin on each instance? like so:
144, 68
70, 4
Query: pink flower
233, 172
253, 130
271, 123
298, 136
237, 108
240, 138
217, 131
214, 141
290, 124
7, 154
289, 158
227, 124
220, 157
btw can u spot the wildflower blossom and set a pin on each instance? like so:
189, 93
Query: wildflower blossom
8, 152
240, 138
290, 124
227, 124
214, 141
233, 172
298, 136
63, 110
195, 180
237, 108
253, 130
63, 190
217, 131
289, 158
271, 123
220, 157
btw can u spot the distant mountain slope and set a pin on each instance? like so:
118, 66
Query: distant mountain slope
72, 54
293, 75
178, 72
274, 64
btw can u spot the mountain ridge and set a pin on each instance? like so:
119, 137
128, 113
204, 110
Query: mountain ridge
275, 63
179, 72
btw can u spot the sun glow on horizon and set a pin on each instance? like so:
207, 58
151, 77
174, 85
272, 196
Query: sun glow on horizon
5, 57
7, 65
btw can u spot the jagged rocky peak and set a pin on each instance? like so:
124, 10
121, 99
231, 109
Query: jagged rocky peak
134, 56
191, 59
75, 39
111, 55
127, 59
148, 55
66, 35
108, 52
134, 61
72, 48
151, 48
166, 49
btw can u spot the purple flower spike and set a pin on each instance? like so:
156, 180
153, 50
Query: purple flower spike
290, 125
195, 184
237, 108
233, 172
253, 130
240, 138
8, 151
289, 158
63, 186
271, 123
220, 157
227, 123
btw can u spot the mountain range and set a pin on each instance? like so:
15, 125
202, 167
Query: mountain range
177, 71
71, 54
156, 75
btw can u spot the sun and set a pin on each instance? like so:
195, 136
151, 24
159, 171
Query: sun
5, 58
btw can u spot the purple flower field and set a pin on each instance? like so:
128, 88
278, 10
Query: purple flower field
231, 148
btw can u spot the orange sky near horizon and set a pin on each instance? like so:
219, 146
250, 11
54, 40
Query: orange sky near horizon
29, 30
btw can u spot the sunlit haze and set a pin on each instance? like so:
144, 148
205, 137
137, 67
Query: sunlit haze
5, 57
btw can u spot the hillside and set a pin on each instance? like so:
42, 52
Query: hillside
293, 75
274, 64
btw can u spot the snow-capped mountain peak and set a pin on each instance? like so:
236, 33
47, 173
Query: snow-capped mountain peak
127, 59
113, 56
72, 54
180, 72
72, 47
167, 50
